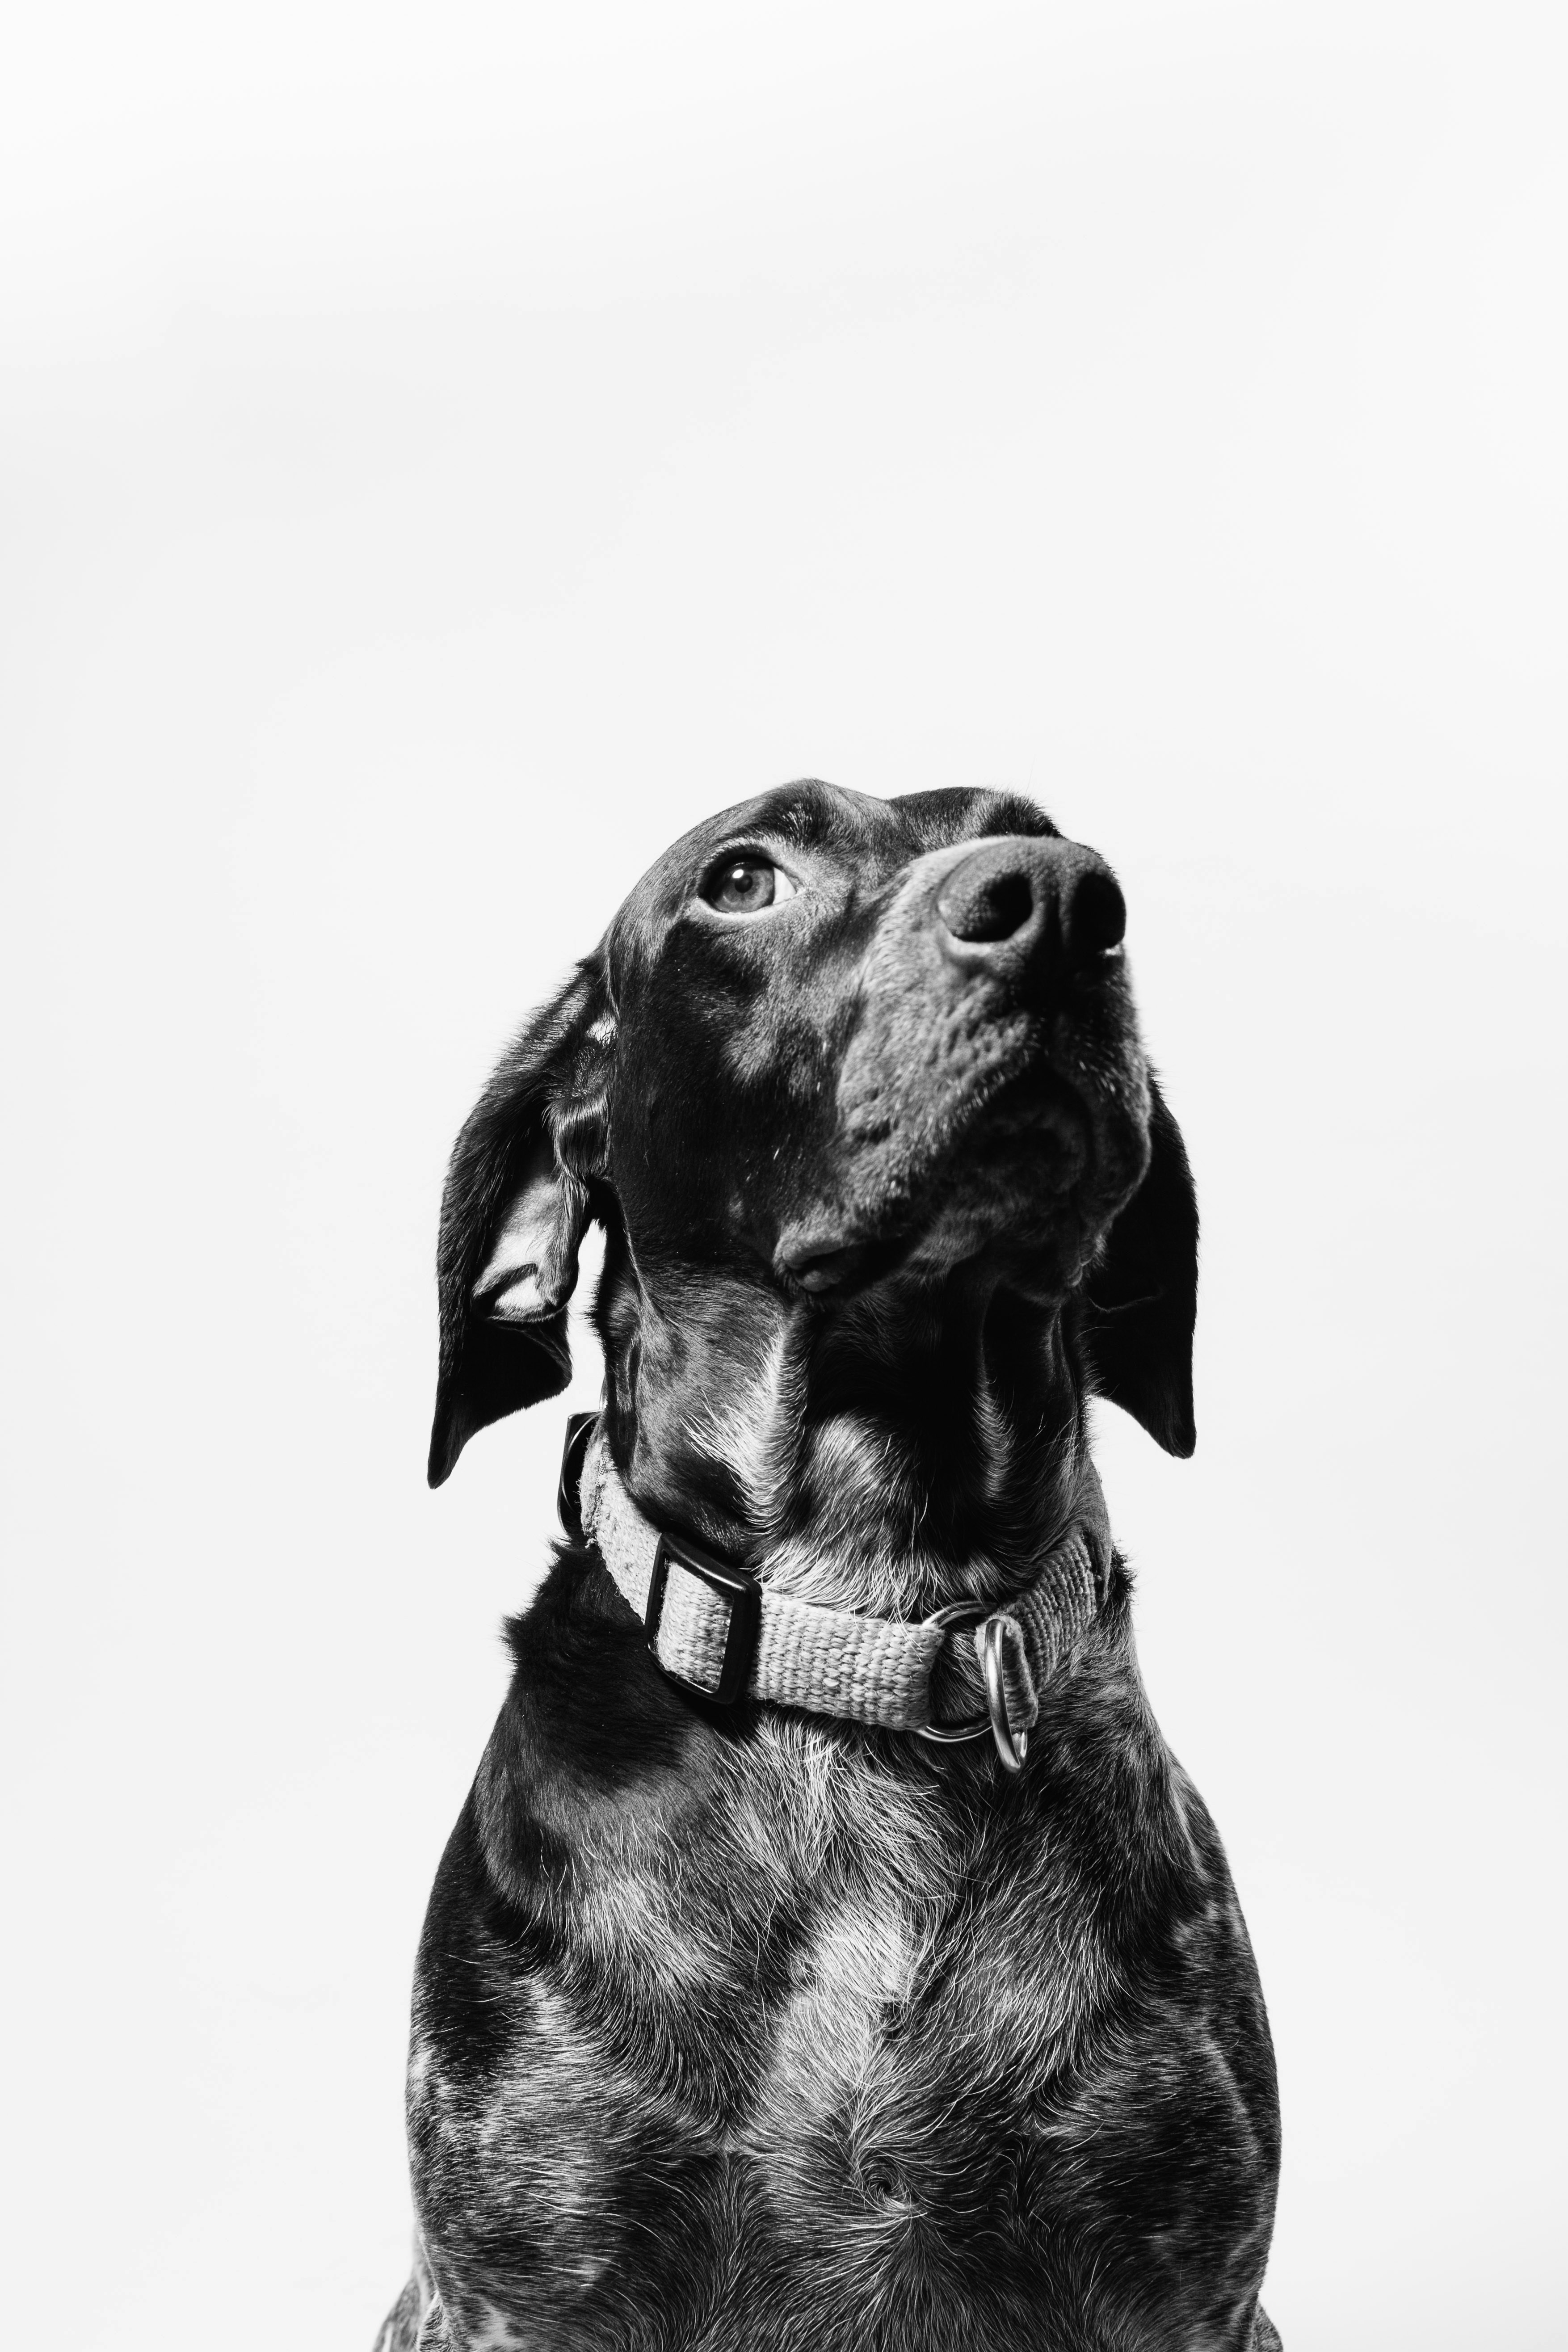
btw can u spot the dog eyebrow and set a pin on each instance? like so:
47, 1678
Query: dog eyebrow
812, 815
802, 823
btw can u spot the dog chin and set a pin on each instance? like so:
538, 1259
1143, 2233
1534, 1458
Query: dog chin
1031, 1186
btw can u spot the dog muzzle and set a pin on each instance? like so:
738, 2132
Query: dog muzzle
725, 1633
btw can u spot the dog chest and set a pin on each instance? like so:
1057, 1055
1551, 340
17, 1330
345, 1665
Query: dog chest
783, 2021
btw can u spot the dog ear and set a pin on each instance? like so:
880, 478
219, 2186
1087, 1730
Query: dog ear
1141, 1298
512, 1217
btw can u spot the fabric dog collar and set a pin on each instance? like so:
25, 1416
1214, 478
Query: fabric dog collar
724, 1633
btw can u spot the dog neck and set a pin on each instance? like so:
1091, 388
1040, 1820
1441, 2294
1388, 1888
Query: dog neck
921, 1442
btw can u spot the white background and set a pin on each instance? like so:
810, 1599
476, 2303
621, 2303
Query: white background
443, 459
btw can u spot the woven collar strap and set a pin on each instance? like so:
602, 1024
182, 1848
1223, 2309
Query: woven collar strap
726, 1633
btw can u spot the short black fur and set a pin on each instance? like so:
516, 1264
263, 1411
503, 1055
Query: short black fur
749, 2028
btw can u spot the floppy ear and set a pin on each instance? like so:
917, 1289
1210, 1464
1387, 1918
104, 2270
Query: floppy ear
1141, 1298
513, 1216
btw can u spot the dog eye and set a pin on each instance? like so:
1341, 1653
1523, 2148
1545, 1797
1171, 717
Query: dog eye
745, 885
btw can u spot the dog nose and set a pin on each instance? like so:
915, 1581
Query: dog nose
1020, 899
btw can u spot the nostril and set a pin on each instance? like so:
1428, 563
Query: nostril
1095, 917
981, 907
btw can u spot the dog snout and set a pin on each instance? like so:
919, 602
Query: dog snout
1049, 907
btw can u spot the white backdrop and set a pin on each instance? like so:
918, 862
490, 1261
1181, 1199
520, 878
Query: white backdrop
441, 460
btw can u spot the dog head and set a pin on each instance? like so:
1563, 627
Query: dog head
829, 1046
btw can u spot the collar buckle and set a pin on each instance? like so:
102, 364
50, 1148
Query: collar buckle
580, 1428
735, 1585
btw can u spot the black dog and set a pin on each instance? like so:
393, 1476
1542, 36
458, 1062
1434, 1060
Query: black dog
747, 2024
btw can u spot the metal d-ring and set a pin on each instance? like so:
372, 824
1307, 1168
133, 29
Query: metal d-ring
968, 1726
1011, 1745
